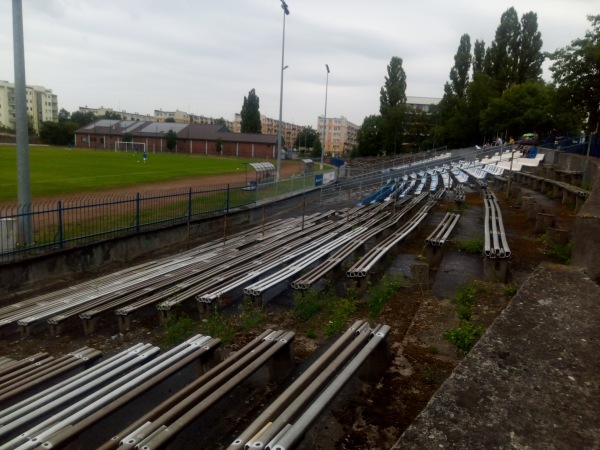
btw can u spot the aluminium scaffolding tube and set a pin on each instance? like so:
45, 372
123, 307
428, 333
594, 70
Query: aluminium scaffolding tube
155, 434
300, 393
293, 435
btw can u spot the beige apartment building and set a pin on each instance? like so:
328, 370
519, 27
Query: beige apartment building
42, 105
340, 135
159, 116
289, 131
100, 112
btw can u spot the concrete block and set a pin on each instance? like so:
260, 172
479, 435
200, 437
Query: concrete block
434, 255
419, 273
533, 210
281, 364
543, 222
556, 236
495, 269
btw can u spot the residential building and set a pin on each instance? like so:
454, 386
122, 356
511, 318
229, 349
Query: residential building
42, 105
422, 103
192, 138
183, 117
340, 135
289, 131
100, 112
160, 116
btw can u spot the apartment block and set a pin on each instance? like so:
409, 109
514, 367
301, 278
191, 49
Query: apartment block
42, 105
160, 116
340, 135
289, 131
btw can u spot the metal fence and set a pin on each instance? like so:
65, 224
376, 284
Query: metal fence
55, 225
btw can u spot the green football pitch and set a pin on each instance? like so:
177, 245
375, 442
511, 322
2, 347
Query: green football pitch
59, 170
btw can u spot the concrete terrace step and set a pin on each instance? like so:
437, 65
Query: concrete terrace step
532, 379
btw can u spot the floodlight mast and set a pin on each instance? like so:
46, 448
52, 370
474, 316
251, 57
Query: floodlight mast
325, 117
286, 12
25, 227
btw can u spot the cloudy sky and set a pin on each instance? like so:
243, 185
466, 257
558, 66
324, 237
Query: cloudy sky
204, 56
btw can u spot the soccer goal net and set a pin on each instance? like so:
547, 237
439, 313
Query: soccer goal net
130, 146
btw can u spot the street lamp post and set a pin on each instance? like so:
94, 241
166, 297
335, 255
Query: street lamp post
286, 12
325, 116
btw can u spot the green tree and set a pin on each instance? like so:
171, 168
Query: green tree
478, 56
250, 114
58, 133
392, 106
501, 59
576, 72
219, 146
370, 136
531, 58
171, 138
317, 148
127, 137
63, 115
306, 138
527, 107
83, 118
459, 74
515, 55
221, 121
112, 115
393, 92
170, 120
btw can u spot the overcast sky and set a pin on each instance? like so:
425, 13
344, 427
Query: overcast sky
204, 56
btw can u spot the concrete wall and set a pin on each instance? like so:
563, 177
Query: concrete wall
586, 230
113, 253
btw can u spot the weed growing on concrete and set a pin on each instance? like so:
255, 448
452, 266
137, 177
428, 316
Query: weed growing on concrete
467, 333
217, 325
383, 292
465, 336
307, 304
510, 290
178, 329
340, 309
433, 349
465, 297
250, 315
562, 252
586, 185
542, 239
474, 245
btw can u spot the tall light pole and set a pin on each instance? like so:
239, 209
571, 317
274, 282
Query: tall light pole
286, 12
23, 181
325, 116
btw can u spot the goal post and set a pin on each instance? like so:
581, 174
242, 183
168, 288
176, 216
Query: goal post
130, 146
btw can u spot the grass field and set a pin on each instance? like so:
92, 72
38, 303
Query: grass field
58, 170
